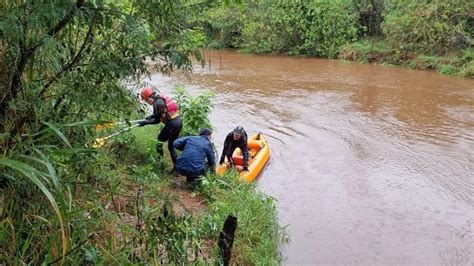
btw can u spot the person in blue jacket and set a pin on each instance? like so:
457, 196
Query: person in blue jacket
197, 155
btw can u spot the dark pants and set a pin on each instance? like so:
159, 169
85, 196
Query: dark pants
191, 177
230, 152
170, 133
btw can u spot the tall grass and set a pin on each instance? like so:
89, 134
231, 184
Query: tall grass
258, 233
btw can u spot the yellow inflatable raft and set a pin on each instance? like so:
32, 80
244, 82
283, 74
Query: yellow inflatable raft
259, 154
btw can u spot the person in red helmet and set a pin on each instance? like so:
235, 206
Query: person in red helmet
165, 110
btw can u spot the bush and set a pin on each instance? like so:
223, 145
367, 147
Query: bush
194, 111
429, 27
327, 27
316, 28
468, 70
222, 24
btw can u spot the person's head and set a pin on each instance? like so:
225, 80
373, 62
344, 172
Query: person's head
147, 94
205, 132
238, 132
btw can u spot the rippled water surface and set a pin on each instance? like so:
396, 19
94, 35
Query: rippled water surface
370, 165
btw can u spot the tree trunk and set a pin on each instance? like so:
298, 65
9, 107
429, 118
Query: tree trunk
371, 19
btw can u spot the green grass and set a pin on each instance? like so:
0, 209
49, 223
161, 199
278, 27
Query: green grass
364, 51
467, 70
145, 137
258, 233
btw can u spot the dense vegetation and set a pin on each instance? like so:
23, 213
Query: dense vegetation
66, 67
419, 34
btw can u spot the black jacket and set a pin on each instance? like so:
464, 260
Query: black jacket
230, 144
159, 112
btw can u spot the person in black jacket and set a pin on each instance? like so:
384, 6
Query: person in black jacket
236, 138
166, 111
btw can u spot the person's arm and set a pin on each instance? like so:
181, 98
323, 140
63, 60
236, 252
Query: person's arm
245, 152
154, 118
226, 148
180, 143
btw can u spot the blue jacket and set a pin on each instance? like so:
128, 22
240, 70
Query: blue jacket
196, 149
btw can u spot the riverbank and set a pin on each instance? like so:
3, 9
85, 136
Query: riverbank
418, 35
183, 222
373, 51
121, 207
460, 64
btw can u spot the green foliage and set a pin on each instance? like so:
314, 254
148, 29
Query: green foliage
173, 239
365, 51
446, 69
427, 62
61, 67
56, 56
258, 233
108, 206
468, 70
63, 70
378, 51
328, 26
257, 37
194, 111
212, 186
316, 28
454, 64
435, 27
404, 30
222, 24
42, 180
144, 140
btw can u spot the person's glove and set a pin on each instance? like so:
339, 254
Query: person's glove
246, 169
141, 123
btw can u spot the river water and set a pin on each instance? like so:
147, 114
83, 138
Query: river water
370, 165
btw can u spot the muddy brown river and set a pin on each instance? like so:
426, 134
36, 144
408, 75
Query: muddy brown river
370, 165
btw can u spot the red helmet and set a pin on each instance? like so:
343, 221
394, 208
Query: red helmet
146, 93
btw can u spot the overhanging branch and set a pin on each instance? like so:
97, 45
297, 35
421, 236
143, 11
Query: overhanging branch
25, 56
